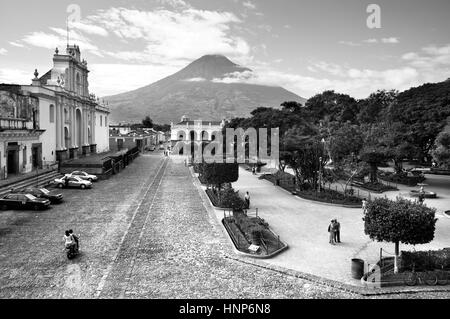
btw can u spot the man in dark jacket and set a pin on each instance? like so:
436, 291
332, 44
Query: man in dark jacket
337, 233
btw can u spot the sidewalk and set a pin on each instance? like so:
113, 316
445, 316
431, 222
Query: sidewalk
303, 225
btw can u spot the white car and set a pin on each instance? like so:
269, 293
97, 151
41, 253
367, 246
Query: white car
83, 175
72, 182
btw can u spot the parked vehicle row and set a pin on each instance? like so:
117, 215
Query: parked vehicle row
40, 198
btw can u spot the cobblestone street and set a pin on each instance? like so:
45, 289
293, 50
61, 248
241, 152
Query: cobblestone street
145, 233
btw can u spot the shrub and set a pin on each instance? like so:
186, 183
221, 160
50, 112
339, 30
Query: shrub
426, 260
230, 199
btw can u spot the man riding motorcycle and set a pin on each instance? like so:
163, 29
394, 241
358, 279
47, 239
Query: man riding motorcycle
71, 244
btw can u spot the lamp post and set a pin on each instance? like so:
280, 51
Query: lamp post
320, 174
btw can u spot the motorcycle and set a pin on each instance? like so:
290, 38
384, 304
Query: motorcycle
73, 250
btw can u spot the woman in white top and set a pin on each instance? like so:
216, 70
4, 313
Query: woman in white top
68, 239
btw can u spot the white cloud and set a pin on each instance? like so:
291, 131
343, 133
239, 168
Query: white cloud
249, 5
15, 76
195, 80
350, 43
371, 41
432, 61
16, 44
173, 37
390, 40
3, 51
89, 28
110, 79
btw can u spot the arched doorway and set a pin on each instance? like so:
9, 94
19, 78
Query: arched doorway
66, 137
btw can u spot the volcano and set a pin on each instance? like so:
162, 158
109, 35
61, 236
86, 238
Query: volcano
206, 89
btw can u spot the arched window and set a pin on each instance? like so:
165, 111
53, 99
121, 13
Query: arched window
52, 113
106, 121
101, 120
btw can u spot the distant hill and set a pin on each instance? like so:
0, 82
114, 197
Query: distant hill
195, 92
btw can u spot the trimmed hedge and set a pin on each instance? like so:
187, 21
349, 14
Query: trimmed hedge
226, 198
426, 260
378, 187
401, 179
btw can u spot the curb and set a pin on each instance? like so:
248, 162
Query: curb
362, 290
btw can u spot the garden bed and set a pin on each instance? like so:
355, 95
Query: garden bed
246, 231
329, 195
401, 179
226, 199
377, 187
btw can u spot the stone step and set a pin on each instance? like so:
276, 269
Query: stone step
41, 181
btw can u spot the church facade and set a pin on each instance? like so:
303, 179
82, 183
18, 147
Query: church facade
68, 122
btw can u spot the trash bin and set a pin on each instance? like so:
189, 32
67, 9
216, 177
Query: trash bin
357, 268
278, 182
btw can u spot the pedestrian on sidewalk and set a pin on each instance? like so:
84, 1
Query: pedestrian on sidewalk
337, 234
254, 170
247, 199
331, 231
364, 205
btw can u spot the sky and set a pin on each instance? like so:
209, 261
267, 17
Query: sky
304, 46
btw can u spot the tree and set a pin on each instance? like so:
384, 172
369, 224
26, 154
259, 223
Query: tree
424, 110
344, 140
305, 154
373, 109
332, 106
400, 221
441, 153
147, 122
218, 174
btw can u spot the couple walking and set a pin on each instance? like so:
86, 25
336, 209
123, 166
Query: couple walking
335, 232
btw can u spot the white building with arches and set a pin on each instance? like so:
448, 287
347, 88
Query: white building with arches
196, 130
75, 122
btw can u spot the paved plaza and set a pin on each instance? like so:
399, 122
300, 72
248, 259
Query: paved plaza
148, 233
303, 224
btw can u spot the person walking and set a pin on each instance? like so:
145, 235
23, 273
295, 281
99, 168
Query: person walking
331, 231
364, 205
254, 170
247, 199
337, 234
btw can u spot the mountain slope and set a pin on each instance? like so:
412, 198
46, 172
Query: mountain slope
195, 91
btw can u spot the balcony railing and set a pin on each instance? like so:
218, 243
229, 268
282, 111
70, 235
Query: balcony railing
15, 124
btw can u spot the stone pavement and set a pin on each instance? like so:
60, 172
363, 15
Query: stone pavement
145, 233
303, 225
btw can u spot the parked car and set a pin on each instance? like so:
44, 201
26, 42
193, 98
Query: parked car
161, 147
53, 196
23, 201
72, 182
83, 175
150, 148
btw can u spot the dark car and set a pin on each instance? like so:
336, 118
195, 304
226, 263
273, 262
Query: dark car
53, 196
23, 201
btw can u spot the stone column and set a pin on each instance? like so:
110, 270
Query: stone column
86, 127
57, 126
93, 127
61, 127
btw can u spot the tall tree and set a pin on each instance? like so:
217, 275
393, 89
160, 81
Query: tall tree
147, 122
